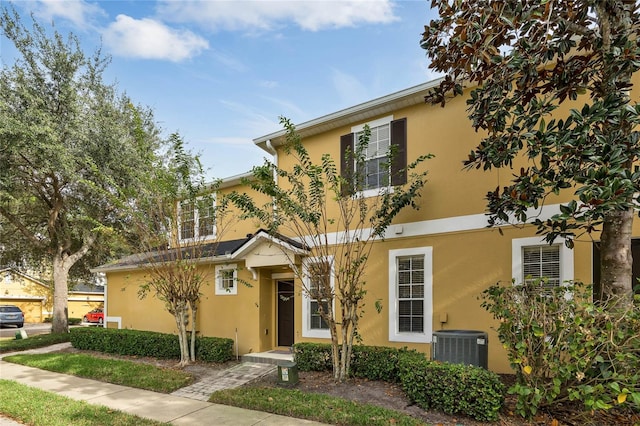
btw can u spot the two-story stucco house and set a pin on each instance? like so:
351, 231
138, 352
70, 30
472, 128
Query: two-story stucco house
446, 243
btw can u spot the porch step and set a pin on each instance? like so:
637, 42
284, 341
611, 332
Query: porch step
270, 357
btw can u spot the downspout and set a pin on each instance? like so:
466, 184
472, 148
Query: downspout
104, 304
272, 150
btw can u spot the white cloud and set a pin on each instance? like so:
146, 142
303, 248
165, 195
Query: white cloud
150, 39
79, 12
255, 16
230, 62
288, 109
348, 87
251, 120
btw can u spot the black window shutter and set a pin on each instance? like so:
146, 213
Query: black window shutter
346, 162
399, 161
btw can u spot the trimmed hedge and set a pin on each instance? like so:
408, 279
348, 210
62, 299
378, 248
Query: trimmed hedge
451, 388
148, 343
312, 356
367, 362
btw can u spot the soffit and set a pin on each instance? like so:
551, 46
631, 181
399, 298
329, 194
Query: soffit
356, 114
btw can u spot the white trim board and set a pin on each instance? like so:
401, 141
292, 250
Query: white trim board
447, 225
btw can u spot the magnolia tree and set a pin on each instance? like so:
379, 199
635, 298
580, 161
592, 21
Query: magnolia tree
522, 60
327, 212
73, 153
165, 219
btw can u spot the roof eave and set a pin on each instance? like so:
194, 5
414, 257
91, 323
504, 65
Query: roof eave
264, 236
145, 265
358, 113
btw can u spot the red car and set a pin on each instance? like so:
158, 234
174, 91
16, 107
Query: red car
97, 315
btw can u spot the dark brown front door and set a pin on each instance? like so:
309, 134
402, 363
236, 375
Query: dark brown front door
285, 313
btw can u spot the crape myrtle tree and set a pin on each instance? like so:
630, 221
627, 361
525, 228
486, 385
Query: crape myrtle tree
523, 59
174, 272
313, 203
73, 152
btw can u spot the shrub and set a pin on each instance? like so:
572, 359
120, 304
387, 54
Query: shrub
367, 362
564, 347
376, 362
148, 343
36, 341
70, 321
451, 388
313, 356
214, 349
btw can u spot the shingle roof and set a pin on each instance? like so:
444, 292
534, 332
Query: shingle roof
211, 251
87, 288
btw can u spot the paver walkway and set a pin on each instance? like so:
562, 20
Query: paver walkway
229, 378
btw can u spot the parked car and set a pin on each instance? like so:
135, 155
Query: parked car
97, 315
11, 315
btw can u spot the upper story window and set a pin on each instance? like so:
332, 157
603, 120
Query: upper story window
376, 168
197, 219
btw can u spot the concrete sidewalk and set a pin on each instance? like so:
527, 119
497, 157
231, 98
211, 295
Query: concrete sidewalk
153, 405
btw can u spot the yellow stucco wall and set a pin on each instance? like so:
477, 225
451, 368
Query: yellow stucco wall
234, 316
232, 227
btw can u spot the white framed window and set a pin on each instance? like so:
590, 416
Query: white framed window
533, 259
317, 273
411, 295
227, 280
374, 172
197, 219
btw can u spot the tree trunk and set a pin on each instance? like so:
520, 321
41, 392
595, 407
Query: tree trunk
335, 347
615, 256
61, 267
181, 315
62, 263
194, 310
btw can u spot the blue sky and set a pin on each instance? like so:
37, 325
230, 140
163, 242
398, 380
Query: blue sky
221, 72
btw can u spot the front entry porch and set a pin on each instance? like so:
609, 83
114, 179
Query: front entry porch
269, 357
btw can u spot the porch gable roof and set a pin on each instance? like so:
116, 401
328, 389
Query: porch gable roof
216, 252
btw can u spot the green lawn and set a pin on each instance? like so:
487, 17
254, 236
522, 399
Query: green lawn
126, 373
317, 407
39, 408
287, 402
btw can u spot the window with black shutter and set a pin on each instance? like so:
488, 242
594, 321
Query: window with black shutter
383, 161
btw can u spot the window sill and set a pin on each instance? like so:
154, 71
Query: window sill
410, 338
317, 334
